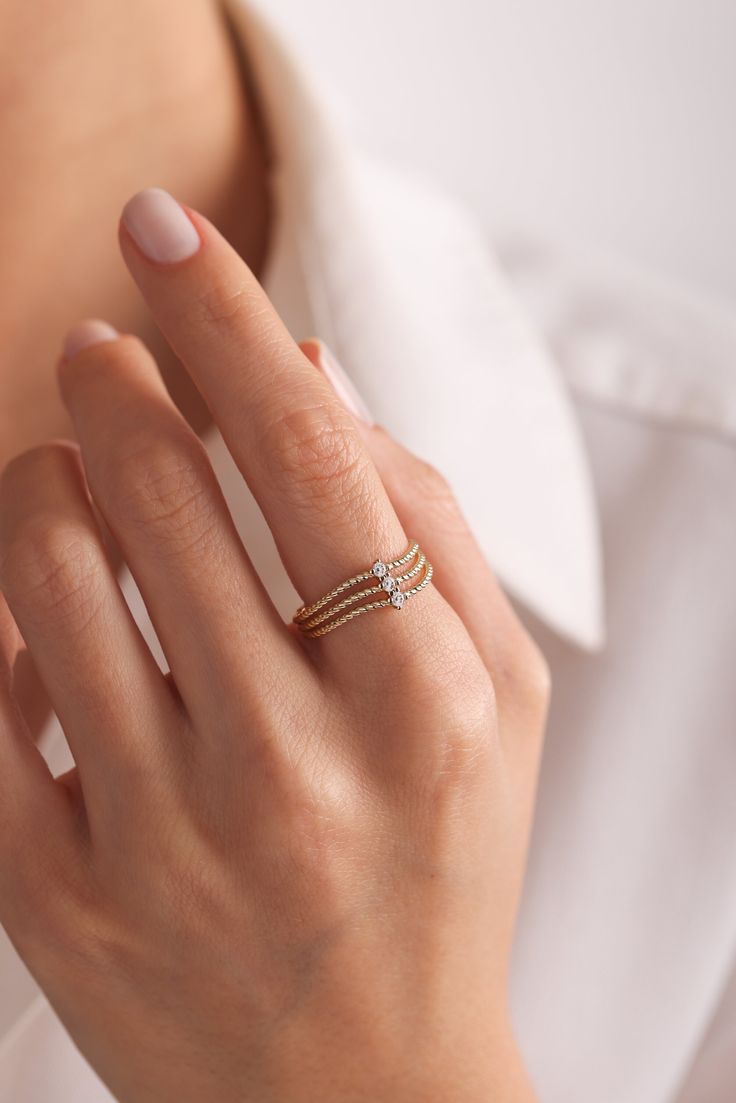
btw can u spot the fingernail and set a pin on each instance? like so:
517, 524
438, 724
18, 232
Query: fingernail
342, 383
85, 334
160, 227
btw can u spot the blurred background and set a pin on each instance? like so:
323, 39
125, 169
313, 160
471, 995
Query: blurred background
604, 125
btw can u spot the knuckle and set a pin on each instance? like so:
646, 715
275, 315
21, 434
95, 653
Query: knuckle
92, 944
446, 775
321, 837
431, 487
432, 483
143, 770
165, 488
53, 566
456, 702
187, 874
465, 725
44, 891
523, 677
319, 455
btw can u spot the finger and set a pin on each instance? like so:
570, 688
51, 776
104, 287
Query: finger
30, 692
153, 484
110, 696
426, 505
519, 672
34, 813
429, 510
26, 686
299, 450
16, 748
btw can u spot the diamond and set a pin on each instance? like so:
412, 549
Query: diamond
389, 583
398, 598
379, 569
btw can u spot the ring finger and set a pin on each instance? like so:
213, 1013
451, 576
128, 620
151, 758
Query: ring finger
153, 484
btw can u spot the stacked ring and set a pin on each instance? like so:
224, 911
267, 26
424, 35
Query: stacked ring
329, 612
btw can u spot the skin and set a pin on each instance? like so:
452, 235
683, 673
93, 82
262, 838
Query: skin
81, 83
241, 893
95, 104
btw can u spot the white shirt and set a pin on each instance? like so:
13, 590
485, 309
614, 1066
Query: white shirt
586, 419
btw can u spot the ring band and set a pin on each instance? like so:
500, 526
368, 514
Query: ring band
328, 613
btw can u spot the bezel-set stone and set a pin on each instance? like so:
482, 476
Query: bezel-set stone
379, 569
389, 583
398, 597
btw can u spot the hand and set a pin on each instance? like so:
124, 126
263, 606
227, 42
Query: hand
288, 871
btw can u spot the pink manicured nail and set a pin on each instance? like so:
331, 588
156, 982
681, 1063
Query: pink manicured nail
342, 383
85, 334
160, 227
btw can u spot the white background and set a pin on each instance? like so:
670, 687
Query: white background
605, 124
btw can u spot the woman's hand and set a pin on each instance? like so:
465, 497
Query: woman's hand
289, 870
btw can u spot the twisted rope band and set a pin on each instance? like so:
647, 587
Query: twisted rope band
317, 619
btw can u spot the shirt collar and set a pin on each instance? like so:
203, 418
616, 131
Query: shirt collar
400, 282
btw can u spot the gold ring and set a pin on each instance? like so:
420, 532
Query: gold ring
328, 613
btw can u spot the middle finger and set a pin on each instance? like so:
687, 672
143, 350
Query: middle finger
298, 448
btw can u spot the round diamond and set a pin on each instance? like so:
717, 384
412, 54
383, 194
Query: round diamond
379, 569
398, 598
389, 583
